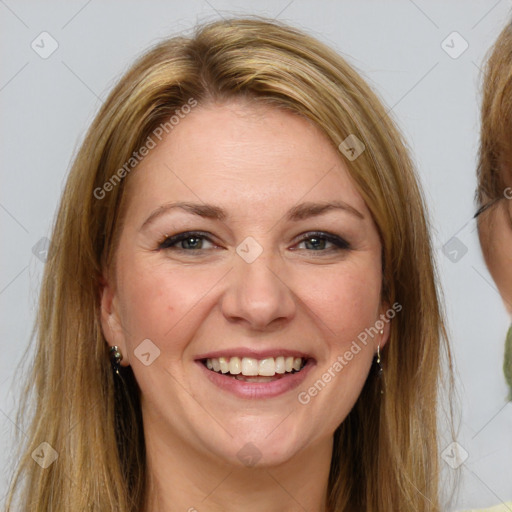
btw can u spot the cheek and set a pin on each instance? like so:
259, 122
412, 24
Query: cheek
346, 300
500, 266
496, 240
159, 301
346, 304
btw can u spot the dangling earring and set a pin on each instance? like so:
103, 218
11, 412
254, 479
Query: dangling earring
115, 358
378, 361
380, 371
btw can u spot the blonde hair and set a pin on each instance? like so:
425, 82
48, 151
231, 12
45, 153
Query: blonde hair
495, 155
385, 454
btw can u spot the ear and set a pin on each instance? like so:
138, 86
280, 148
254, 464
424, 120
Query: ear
110, 318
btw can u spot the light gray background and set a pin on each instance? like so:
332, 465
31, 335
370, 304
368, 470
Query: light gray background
47, 104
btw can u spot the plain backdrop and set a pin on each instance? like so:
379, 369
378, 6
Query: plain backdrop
408, 52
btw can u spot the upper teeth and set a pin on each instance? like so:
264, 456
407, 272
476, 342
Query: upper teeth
250, 366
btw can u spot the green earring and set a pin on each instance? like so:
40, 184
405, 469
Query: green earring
507, 362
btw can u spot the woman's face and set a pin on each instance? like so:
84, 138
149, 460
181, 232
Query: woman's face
247, 248
495, 231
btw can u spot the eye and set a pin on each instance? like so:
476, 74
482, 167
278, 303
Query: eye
188, 241
323, 242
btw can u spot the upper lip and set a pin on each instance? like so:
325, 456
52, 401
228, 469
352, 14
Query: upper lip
256, 354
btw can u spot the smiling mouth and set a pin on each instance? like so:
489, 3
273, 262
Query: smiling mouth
249, 369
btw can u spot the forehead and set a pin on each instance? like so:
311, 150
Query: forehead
245, 154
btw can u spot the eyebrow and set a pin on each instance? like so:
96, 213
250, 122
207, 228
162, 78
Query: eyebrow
306, 210
296, 213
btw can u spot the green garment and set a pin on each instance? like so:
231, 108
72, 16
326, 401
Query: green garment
507, 362
507, 370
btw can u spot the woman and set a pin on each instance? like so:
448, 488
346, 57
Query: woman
494, 216
243, 233
495, 176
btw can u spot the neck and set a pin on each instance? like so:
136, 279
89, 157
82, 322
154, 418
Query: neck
181, 478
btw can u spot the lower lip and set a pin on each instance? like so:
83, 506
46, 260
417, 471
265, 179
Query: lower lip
270, 389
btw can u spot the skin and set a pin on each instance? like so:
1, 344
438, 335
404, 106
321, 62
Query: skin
256, 163
495, 232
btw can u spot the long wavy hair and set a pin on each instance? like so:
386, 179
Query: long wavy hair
385, 455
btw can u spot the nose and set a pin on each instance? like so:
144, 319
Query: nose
258, 296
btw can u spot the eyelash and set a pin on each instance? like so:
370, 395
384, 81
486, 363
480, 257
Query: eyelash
169, 242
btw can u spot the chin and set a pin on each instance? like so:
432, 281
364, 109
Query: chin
256, 454
266, 444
